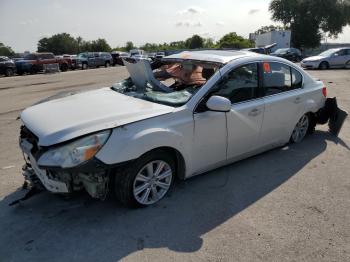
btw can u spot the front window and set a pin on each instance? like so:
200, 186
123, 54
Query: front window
168, 83
239, 85
328, 52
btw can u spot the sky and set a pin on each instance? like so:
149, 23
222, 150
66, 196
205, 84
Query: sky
24, 22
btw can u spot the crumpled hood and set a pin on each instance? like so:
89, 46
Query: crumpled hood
66, 118
313, 58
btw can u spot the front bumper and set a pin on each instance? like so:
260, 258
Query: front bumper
310, 65
93, 175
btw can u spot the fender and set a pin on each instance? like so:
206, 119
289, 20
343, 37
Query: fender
132, 141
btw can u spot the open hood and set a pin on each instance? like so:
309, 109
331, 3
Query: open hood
62, 119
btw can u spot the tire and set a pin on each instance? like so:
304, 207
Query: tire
107, 64
324, 65
64, 67
301, 129
33, 70
84, 66
347, 65
134, 185
9, 72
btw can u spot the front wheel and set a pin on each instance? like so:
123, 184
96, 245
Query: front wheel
347, 65
107, 64
324, 65
146, 181
301, 129
9, 72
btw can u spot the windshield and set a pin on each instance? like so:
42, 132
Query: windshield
328, 52
171, 84
30, 57
281, 51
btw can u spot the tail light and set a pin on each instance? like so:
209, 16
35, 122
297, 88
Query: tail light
324, 91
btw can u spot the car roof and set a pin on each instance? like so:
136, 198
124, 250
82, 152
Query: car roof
215, 56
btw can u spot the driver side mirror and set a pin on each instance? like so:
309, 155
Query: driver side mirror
219, 104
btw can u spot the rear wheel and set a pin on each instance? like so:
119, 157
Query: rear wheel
147, 180
324, 65
9, 72
107, 64
301, 129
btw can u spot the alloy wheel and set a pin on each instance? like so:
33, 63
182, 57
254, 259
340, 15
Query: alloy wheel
152, 182
300, 129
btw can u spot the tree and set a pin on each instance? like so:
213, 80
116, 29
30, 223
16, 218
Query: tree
59, 44
232, 40
308, 19
6, 50
269, 28
99, 45
129, 45
194, 42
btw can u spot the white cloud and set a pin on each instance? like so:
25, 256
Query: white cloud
253, 11
192, 10
220, 23
188, 23
29, 21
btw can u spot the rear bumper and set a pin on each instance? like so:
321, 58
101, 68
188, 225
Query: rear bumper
333, 115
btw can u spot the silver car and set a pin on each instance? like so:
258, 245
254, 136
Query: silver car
134, 138
332, 58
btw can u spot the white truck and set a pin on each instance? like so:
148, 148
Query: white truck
280, 38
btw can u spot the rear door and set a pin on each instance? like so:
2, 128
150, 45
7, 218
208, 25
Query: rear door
283, 98
338, 59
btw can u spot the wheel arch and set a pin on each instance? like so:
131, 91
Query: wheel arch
124, 146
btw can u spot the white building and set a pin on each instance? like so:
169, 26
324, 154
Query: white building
281, 38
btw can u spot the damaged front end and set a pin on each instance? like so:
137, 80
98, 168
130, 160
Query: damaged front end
66, 168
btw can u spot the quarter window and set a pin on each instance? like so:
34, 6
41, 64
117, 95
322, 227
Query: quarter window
240, 84
297, 79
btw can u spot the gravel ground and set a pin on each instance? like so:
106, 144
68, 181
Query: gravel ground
288, 204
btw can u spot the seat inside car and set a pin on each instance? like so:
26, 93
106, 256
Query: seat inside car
274, 82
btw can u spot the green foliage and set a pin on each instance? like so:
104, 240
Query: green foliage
194, 42
232, 40
66, 44
6, 50
308, 19
269, 28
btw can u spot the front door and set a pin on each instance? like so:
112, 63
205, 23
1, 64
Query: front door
244, 121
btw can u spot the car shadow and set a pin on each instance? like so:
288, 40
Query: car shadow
50, 228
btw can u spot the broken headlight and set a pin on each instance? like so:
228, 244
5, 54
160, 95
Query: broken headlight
76, 152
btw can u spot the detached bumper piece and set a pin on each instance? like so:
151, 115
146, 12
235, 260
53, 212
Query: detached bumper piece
332, 114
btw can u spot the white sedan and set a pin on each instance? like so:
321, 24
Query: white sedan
136, 137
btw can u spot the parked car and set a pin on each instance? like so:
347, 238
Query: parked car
72, 61
332, 58
138, 135
94, 59
7, 66
118, 57
291, 54
35, 62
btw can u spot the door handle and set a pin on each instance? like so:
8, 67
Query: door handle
254, 112
297, 100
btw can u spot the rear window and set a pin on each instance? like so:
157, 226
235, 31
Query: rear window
280, 78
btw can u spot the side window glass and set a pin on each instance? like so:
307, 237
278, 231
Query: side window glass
277, 78
240, 84
297, 79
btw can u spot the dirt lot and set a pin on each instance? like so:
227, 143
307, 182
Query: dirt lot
289, 204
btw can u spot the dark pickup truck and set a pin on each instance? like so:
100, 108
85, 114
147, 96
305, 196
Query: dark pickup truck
36, 62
